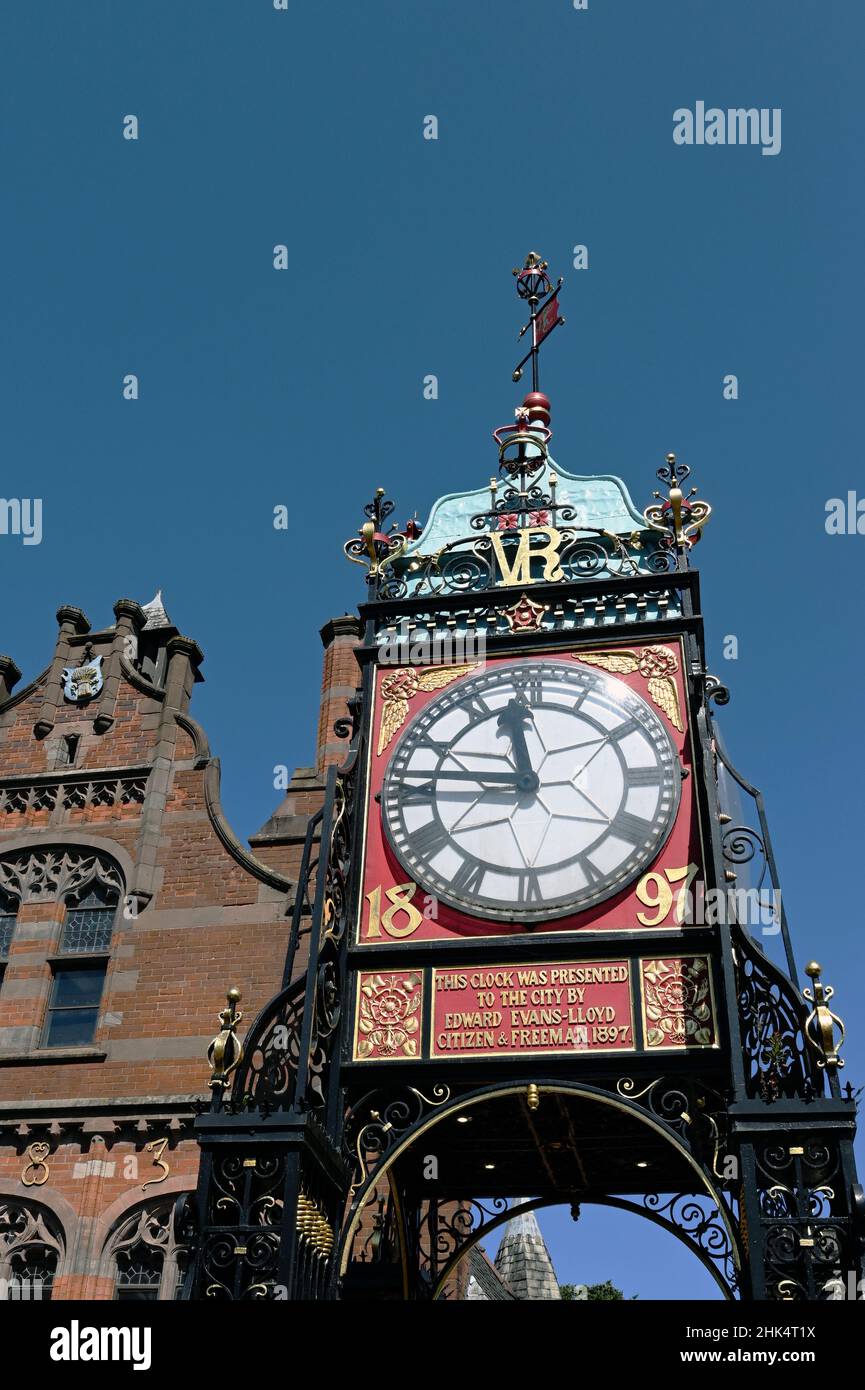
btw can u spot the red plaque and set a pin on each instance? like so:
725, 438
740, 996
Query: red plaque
514, 1010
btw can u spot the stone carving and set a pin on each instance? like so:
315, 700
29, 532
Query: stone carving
41, 875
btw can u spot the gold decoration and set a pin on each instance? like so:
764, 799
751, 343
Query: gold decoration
678, 515
388, 1021
622, 663
36, 1156
533, 1096
820, 1023
525, 616
400, 686
225, 1051
313, 1227
157, 1148
677, 1002
656, 664
665, 695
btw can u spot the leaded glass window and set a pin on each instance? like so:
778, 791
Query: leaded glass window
148, 1264
89, 923
31, 1245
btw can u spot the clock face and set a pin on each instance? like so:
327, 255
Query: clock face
531, 791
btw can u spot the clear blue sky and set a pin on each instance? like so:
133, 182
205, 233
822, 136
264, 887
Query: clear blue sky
304, 388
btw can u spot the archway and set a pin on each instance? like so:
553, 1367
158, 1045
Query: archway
566, 1141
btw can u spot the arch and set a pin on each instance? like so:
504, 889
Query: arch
32, 1245
480, 1232
447, 1108
143, 1232
122, 1207
63, 1212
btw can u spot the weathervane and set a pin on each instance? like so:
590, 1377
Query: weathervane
535, 286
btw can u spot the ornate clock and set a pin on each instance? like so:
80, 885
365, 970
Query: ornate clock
531, 791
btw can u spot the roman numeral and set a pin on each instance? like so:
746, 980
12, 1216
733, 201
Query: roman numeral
427, 741
469, 876
592, 873
632, 828
475, 707
644, 776
628, 727
530, 685
415, 793
428, 839
529, 890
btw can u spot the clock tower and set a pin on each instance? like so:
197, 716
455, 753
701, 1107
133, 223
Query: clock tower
538, 944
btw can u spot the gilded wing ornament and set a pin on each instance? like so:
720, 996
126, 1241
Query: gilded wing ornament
437, 677
623, 662
392, 719
399, 686
665, 695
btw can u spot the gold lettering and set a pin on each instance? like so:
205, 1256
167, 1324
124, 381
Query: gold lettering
520, 571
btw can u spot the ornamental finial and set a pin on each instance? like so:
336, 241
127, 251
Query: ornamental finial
534, 285
225, 1051
820, 1023
680, 519
373, 545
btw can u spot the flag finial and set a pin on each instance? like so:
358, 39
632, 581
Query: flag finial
536, 288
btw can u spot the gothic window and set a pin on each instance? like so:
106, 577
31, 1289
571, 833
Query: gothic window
31, 1246
147, 1263
89, 922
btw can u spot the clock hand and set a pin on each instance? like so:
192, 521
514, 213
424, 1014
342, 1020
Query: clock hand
512, 721
510, 779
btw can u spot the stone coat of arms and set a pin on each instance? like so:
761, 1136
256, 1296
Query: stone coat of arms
83, 682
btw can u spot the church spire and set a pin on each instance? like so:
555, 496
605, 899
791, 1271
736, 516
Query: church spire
524, 1262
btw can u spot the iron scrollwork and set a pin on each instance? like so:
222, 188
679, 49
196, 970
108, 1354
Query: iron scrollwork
772, 1017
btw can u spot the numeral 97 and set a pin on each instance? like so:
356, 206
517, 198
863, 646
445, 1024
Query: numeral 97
654, 891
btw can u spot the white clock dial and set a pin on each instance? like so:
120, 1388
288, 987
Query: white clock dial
532, 790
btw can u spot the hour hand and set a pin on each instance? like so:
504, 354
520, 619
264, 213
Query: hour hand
512, 721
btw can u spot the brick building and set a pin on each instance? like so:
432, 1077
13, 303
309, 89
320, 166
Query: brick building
127, 907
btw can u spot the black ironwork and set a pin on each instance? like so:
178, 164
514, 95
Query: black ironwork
266, 1214
778, 1061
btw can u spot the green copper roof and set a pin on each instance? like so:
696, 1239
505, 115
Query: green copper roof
600, 502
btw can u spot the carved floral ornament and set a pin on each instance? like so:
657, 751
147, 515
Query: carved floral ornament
388, 1021
45, 875
677, 1002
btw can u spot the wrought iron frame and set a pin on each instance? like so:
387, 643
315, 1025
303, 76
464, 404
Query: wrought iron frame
302, 1140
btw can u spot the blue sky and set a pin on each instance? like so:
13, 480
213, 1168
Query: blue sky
304, 388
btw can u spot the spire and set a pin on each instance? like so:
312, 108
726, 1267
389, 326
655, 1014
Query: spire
523, 1260
155, 611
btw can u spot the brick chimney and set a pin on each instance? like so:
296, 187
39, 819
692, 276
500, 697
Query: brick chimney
338, 684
